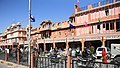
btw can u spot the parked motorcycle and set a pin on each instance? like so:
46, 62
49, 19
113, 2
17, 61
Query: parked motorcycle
86, 59
56, 58
86, 62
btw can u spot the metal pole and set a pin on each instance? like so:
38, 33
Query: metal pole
29, 38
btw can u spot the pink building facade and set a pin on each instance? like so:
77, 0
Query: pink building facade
95, 25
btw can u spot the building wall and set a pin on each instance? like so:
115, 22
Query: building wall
93, 16
13, 34
79, 18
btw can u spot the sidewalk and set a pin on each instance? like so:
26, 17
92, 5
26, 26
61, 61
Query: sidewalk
12, 65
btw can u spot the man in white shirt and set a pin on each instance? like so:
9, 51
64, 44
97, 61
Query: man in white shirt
7, 53
7, 50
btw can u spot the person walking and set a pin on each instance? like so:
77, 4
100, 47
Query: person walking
92, 49
104, 56
7, 53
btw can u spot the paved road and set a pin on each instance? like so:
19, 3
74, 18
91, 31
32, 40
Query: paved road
13, 66
4, 66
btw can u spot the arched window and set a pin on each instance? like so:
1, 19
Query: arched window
54, 25
59, 24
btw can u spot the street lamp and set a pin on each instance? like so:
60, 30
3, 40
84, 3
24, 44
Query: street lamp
29, 34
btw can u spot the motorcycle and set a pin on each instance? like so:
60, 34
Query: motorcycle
56, 58
86, 62
86, 59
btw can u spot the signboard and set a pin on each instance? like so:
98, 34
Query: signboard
59, 40
74, 39
70, 39
48, 41
62, 40
112, 37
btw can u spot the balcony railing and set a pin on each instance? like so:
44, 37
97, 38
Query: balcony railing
102, 3
95, 5
84, 8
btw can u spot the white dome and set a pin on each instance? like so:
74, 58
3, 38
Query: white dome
13, 25
8, 27
18, 23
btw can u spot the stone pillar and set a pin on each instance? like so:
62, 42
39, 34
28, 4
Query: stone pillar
44, 46
68, 59
103, 42
115, 26
36, 59
32, 60
67, 46
6, 55
68, 54
54, 43
82, 41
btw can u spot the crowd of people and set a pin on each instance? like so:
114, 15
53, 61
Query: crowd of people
74, 51
12, 52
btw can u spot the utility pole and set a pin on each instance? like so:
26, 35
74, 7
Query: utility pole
29, 35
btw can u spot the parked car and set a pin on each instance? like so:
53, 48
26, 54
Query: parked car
99, 51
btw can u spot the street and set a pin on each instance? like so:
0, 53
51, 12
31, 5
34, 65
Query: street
5, 66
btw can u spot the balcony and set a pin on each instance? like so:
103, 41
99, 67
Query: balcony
102, 3
15, 36
106, 18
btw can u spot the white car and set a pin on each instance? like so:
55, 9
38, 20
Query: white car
99, 51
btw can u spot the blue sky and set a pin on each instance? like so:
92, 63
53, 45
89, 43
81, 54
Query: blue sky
13, 11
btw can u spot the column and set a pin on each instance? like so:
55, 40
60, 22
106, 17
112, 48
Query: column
44, 46
54, 43
6, 56
103, 41
67, 46
82, 41
36, 59
68, 54
68, 59
115, 26
32, 60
